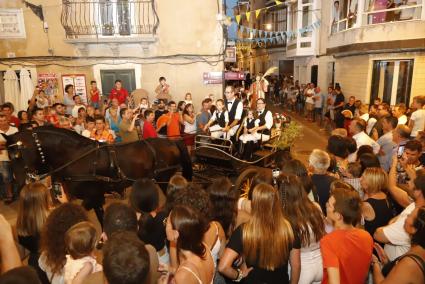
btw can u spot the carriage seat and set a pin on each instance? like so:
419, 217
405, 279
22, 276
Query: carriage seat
275, 134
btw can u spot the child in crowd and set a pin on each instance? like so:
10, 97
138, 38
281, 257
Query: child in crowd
188, 98
218, 121
80, 242
249, 123
144, 105
94, 95
90, 124
148, 128
352, 176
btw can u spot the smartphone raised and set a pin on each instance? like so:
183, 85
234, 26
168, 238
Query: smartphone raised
57, 190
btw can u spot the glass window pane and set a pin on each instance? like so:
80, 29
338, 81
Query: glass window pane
404, 83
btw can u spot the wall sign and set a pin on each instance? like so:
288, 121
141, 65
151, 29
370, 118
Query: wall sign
79, 83
12, 23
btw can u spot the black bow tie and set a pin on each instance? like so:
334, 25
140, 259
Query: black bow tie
260, 112
229, 102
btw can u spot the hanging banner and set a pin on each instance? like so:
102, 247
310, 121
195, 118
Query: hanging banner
248, 14
48, 82
257, 13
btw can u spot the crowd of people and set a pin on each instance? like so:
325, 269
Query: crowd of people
354, 214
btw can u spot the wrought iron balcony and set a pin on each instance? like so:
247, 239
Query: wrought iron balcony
109, 18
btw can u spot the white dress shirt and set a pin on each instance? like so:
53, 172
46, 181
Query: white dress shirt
363, 139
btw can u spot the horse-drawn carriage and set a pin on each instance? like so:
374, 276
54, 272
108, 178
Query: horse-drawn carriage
221, 157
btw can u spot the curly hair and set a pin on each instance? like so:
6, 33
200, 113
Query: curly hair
224, 199
195, 197
53, 234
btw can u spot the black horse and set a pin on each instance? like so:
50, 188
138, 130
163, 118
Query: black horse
88, 169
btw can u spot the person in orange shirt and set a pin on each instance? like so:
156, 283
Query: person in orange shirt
347, 251
172, 119
100, 133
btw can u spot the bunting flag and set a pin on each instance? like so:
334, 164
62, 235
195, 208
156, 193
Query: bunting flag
238, 19
257, 12
248, 14
278, 2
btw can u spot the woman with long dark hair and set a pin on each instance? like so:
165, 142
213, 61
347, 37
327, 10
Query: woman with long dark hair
266, 243
186, 227
144, 199
307, 222
33, 208
224, 200
189, 129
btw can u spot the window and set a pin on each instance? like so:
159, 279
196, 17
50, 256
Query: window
344, 15
392, 81
281, 20
379, 11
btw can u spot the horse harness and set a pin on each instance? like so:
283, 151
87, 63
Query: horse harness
94, 176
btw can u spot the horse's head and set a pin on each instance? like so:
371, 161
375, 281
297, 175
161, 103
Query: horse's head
24, 154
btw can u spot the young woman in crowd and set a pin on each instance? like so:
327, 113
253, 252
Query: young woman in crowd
33, 208
264, 261
198, 199
296, 167
338, 147
410, 267
186, 227
53, 247
189, 129
80, 242
175, 185
144, 198
224, 204
377, 210
307, 222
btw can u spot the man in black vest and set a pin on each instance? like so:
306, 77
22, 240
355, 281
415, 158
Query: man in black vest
265, 122
235, 109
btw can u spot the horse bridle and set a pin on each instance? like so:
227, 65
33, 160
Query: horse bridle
31, 176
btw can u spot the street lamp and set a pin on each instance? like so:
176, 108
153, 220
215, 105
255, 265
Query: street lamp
268, 27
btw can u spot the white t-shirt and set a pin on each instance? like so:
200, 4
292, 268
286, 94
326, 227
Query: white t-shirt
309, 99
419, 121
395, 233
402, 120
4, 156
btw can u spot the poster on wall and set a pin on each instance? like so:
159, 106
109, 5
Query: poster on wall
48, 82
79, 83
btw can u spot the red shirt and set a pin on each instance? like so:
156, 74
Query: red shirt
94, 98
350, 251
148, 130
14, 121
121, 95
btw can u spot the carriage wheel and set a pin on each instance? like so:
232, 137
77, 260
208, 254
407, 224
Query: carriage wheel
244, 181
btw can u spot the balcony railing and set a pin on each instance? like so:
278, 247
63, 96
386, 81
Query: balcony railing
379, 14
109, 18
